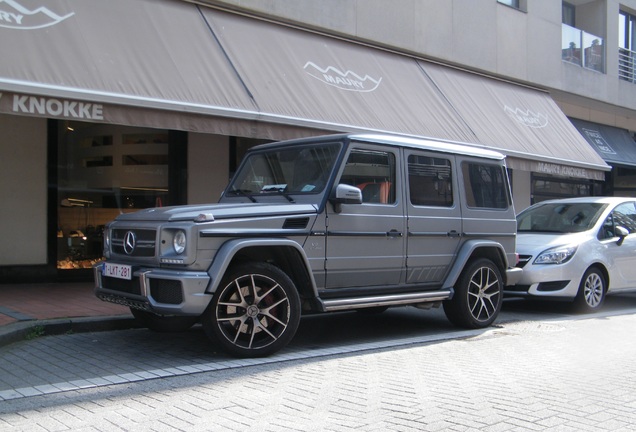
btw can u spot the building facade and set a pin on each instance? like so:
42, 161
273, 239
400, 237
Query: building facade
109, 107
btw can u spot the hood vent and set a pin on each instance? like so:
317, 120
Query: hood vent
296, 223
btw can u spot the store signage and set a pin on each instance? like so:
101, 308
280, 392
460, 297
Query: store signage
15, 16
527, 117
595, 137
561, 170
348, 80
51, 107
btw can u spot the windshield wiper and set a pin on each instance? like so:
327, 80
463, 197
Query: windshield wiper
244, 192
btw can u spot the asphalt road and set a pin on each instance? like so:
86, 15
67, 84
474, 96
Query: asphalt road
405, 369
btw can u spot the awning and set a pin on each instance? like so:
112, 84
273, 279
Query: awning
521, 122
298, 77
147, 54
174, 64
303, 78
616, 146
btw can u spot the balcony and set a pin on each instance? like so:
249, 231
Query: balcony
626, 65
582, 48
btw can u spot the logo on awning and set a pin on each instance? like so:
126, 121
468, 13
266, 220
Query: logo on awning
527, 117
15, 16
596, 138
347, 80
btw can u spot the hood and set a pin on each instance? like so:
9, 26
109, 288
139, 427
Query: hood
218, 211
532, 243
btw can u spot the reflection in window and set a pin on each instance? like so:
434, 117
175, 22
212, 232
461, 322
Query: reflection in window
374, 173
104, 170
625, 215
544, 188
430, 182
627, 46
486, 186
291, 170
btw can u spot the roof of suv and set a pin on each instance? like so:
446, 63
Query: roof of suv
438, 145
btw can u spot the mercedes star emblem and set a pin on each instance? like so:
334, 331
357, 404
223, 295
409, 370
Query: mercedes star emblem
130, 240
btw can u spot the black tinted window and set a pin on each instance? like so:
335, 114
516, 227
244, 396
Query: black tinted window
486, 185
430, 181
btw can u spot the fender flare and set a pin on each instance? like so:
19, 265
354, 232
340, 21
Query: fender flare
466, 252
227, 252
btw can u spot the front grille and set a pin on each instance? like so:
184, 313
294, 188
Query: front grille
144, 242
122, 285
124, 301
166, 291
523, 260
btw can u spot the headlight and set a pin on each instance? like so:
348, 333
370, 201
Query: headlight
556, 255
179, 242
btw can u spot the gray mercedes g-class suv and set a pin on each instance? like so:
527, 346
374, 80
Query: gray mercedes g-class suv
334, 223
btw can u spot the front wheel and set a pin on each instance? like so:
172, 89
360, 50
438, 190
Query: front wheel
254, 312
592, 289
478, 296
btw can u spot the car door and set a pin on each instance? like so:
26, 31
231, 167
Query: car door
365, 244
623, 256
434, 216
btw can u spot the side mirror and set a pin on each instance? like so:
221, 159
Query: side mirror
346, 194
622, 233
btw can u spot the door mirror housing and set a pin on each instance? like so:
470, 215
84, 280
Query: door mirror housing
345, 194
622, 232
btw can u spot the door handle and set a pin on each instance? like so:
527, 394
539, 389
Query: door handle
453, 234
394, 233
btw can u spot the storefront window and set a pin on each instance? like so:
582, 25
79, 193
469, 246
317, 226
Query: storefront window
624, 181
548, 187
104, 170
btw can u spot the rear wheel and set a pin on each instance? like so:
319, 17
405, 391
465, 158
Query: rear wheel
478, 296
163, 324
254, 312
591, 294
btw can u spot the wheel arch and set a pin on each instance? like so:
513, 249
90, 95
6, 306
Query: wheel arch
285, 254
604, 271
473, 250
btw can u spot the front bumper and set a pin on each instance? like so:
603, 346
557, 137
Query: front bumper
548, 281
161, 291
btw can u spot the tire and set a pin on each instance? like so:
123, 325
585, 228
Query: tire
163, 324
478, 296
254, 312
592, 290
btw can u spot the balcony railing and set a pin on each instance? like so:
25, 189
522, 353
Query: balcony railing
627, 65
582, 48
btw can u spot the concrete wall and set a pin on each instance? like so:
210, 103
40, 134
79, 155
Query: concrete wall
23, 184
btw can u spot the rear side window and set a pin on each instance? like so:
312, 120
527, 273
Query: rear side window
486, 185
430, 182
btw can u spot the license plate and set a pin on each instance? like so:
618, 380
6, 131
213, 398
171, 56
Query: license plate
119, 271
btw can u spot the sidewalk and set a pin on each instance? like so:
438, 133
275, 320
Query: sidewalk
53, 308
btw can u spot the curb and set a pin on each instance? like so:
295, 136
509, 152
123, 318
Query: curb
26, 330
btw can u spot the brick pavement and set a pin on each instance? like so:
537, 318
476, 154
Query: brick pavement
563, 375
24, 302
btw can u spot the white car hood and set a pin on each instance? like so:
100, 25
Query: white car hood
533, 243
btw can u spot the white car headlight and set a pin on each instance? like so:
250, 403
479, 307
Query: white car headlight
556, 255
179, 241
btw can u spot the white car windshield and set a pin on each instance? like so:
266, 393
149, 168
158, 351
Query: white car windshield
559, 217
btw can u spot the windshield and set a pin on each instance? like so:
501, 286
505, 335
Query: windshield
559, 217
288, 170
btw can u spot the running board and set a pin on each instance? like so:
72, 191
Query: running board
386, 300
